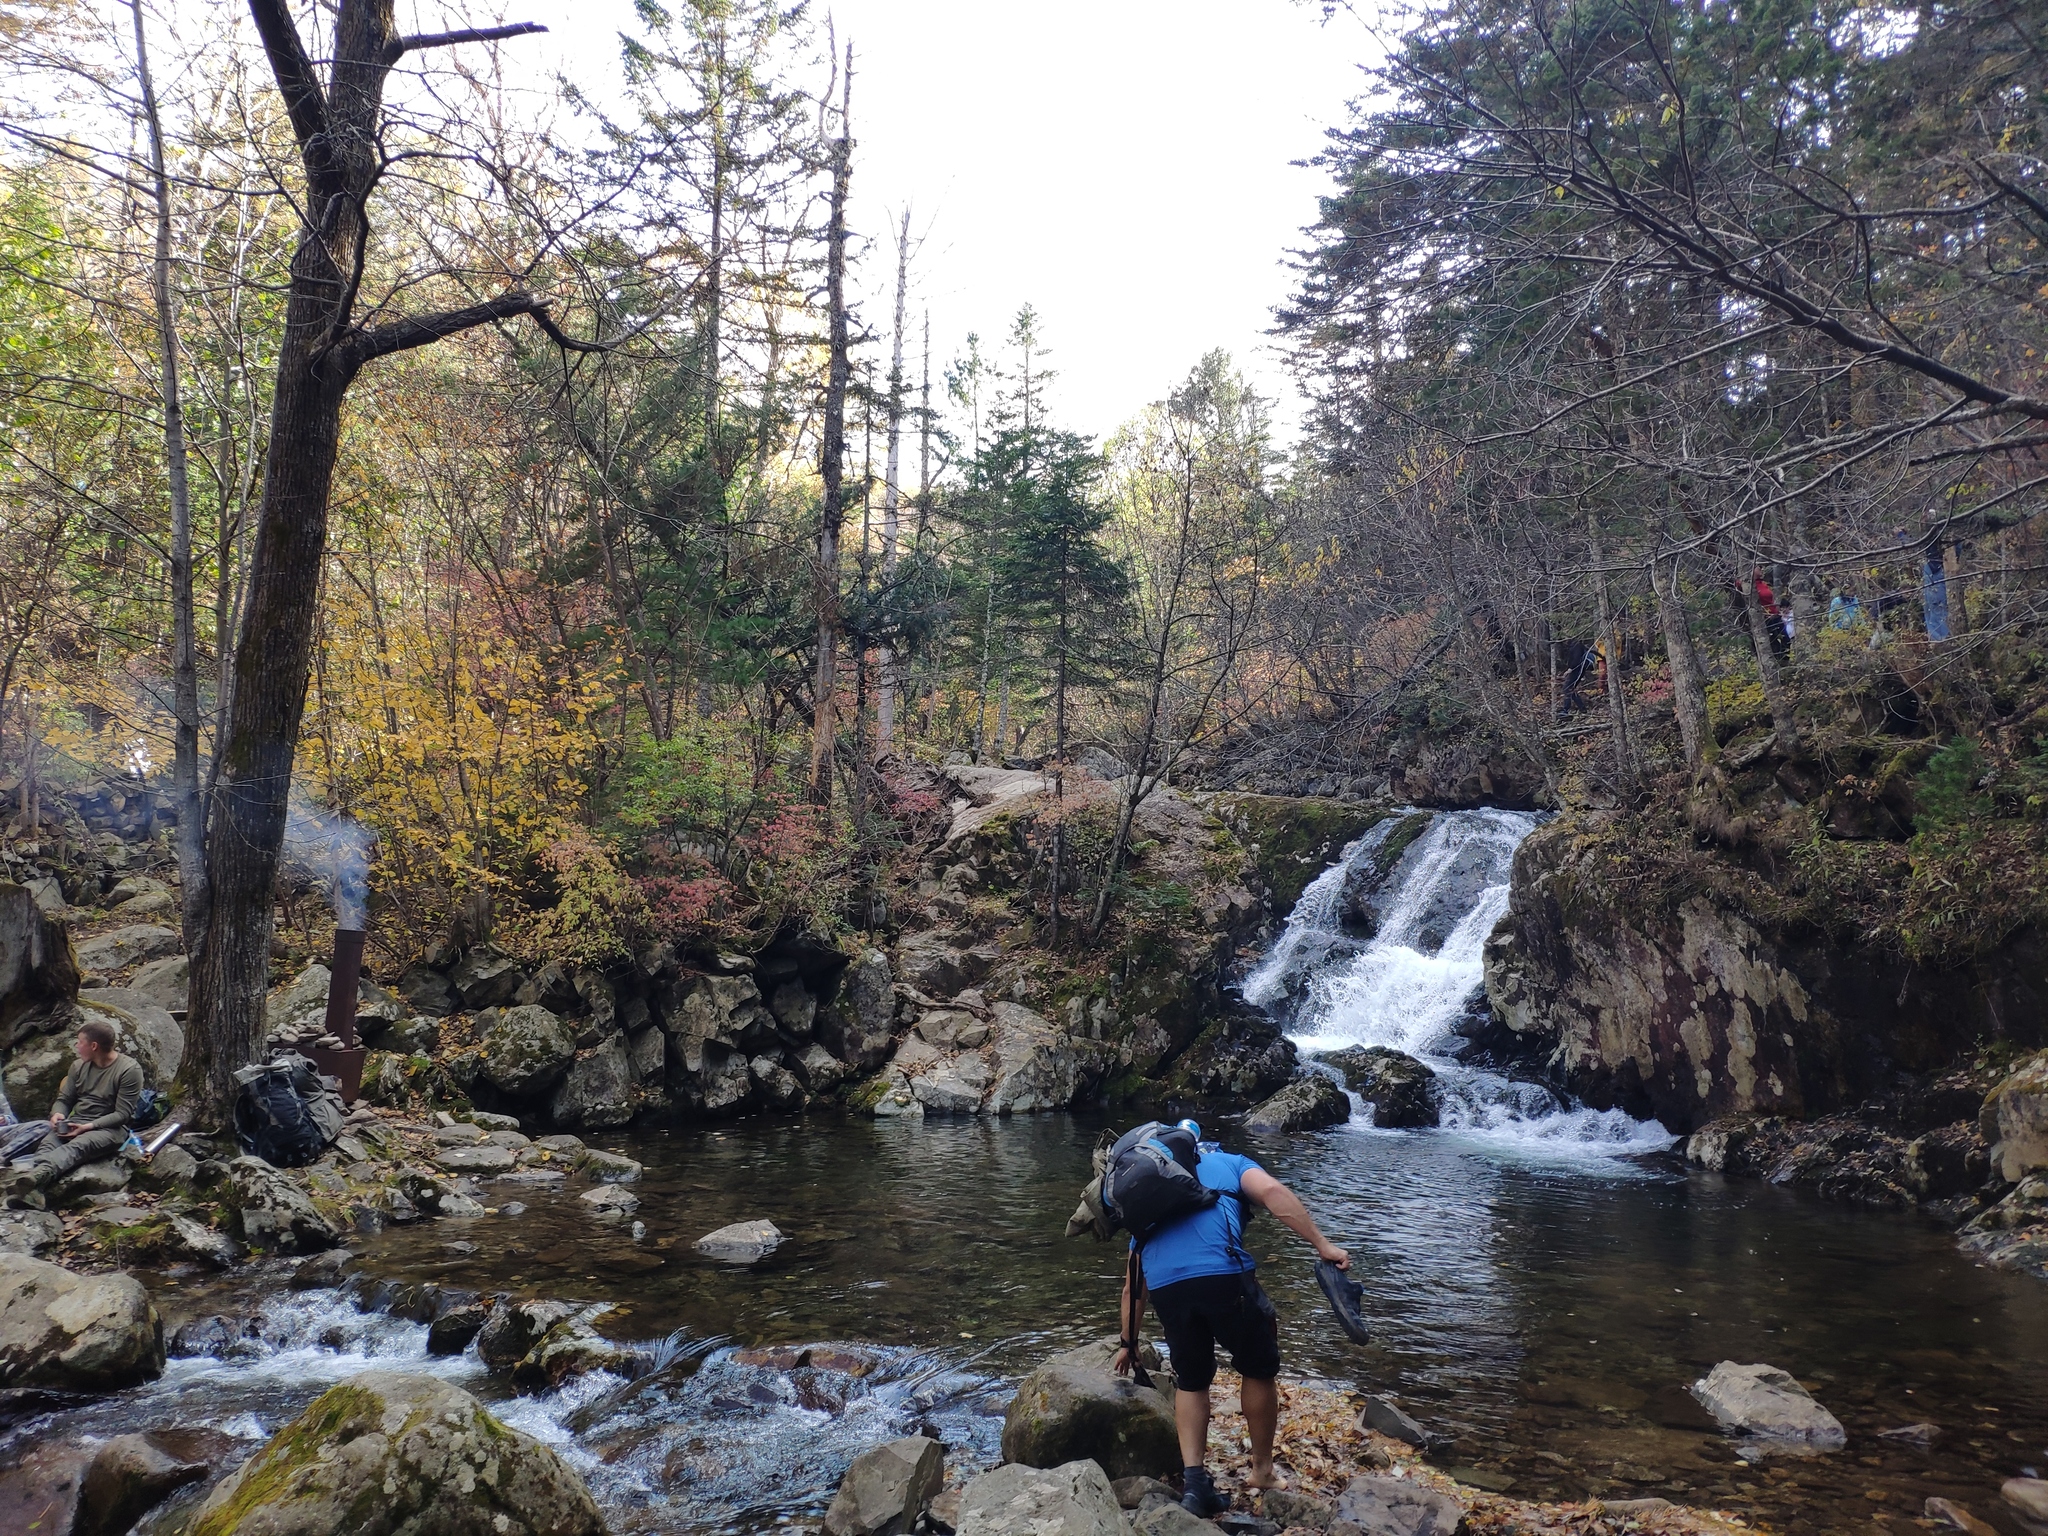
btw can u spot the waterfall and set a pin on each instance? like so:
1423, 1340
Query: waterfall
1415, 982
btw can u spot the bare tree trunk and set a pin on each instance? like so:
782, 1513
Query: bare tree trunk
338, 125
988, 627
885, 704
1610, 636
832, 467
191, 837
1688, 683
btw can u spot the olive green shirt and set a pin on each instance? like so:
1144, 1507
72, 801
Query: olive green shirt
102, 1098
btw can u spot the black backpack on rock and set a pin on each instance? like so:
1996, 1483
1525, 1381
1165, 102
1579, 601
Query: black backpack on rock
286, 1112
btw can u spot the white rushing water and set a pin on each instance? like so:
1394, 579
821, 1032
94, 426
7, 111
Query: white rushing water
1417, 979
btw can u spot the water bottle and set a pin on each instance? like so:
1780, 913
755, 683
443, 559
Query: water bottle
132, 1147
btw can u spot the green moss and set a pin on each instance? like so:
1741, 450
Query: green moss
1398, 841
1296, 840
862, 1097
274, 1474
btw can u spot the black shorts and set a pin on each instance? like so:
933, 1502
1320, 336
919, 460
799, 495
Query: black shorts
1199, 1314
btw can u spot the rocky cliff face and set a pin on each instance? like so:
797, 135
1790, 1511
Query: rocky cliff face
1684, 1008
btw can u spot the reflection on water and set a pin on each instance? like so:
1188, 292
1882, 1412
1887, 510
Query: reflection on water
1547, 1314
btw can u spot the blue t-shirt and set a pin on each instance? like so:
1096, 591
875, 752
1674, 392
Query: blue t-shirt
1207, 1242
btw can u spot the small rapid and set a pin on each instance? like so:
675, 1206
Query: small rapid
1386, 948
705, 1434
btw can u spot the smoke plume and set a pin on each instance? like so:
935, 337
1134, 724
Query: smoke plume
335, 851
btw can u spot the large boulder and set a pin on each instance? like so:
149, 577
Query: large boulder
1393, 1506
127, 1477
1071, 1500
1036, 1066
70, 1486
387, 1454
952, 1087
29, 1231
106, 953
428, 991
569, 1350
88, 1333
551, 987
724, 1011
940, 963
2013, 1234
1674, 998
526, 1051
597, 1089
299, 1003
795, 1010
1763, 1401
1402, 1091
512, 1331
166, 982
1311, 1103
486, 978
1241, 1058
270, 1212
858, 1030
1075, 1407
887, 1488
743, 1242
2015, 1121
38, 969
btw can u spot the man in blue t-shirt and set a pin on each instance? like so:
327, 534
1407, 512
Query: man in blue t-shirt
1202, 1285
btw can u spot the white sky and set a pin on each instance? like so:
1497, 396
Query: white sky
1123, 165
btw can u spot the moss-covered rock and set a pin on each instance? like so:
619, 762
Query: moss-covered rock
526, 1051
1291, 841
1678, 980
384, 1454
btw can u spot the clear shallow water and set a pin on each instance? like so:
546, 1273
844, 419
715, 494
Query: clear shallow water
1548, 1313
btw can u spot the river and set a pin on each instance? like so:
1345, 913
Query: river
1545, 1282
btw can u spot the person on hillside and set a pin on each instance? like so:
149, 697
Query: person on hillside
88, 1121
1203, 1286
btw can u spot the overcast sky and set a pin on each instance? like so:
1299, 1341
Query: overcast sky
1123, 165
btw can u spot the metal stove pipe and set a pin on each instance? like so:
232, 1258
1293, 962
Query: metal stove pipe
341, 991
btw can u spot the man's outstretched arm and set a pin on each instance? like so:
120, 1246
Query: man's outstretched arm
1287, 1209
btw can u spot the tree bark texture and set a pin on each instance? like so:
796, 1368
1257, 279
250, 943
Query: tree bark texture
1688, 682
885, 704
191, 833
832, 457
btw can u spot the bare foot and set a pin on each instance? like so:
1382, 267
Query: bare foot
1268, 1477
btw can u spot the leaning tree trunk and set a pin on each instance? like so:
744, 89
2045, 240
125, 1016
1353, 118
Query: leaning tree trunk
253, 783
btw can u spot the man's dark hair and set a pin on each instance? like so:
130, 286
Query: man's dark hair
99, 1032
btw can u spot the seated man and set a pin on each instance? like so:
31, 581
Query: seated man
89, 1120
